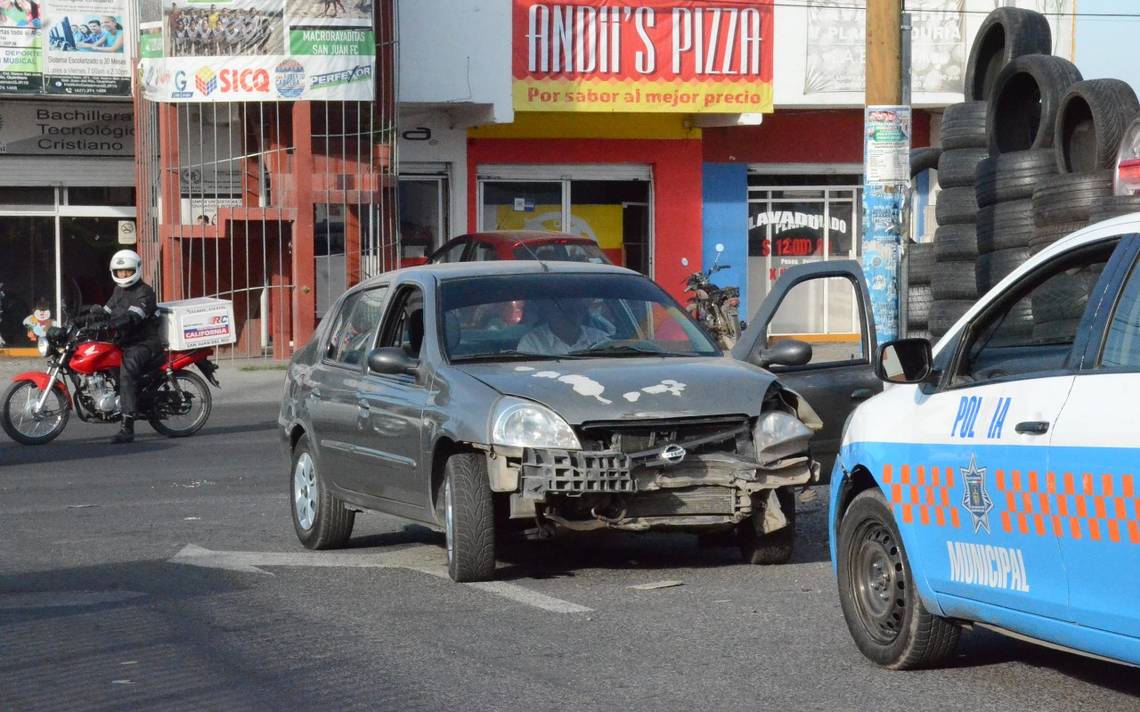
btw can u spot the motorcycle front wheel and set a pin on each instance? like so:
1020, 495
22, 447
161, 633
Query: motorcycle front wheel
179, 415
22, 423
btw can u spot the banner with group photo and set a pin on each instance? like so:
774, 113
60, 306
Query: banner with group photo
679, 56
260, 50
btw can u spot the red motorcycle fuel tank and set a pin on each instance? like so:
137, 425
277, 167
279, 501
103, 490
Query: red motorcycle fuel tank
95, 356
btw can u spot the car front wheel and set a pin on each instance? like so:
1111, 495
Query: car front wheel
877, 594
469, 518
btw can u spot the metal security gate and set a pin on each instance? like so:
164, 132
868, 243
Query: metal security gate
277, 206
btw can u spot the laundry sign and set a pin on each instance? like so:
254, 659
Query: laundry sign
648, 56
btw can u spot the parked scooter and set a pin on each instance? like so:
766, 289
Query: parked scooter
716, 307
36, 407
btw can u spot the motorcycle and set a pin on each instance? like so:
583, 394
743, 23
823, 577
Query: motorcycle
83, 375
716, 307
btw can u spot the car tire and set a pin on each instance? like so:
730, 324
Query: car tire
920, 262
964, 126
1046, 235
924, 159
1090, 124
918, 299
994, 266
1022, 113
1113, 207
469, 518
1005, 226
944, 313
957, 169
920, 334
1063, 331
1005, 33
877, 591
955, 242
956, 206
955, 279
1013, 176
772, 548
1064, 297
321, 519
1069, 197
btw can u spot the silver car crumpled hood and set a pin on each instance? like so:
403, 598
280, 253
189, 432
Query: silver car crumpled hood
631, 388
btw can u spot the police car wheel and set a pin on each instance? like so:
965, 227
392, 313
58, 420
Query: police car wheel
877, 594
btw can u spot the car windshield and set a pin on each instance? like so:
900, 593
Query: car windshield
562, 252
564, 315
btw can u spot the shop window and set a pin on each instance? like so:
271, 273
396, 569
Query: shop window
28, 196
101, 195
27, 279
522, 205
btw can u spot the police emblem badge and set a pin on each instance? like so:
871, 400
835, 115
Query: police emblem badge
975, 499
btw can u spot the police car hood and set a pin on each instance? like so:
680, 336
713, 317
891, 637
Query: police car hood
620, 388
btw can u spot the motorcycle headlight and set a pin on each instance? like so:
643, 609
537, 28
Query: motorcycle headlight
520, 423
42, 345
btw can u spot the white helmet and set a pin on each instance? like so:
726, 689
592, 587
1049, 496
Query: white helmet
126, 259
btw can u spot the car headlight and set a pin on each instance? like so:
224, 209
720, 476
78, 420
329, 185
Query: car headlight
42, 345
520, 423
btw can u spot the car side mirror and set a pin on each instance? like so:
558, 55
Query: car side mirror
393, 361
790, 352
905, 361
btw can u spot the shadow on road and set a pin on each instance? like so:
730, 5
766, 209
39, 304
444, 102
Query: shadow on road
85, 449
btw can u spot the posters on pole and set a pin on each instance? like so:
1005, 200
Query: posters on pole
85, 48
887, 145
643, 55
262, 50
886, 158
836, 46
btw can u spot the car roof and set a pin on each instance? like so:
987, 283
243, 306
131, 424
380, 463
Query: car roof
458, 270
528, 236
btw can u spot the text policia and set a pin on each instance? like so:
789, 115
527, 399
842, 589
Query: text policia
569, 39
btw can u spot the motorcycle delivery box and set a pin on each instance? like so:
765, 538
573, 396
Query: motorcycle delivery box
190, 324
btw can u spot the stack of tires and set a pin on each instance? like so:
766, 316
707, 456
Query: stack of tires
952, 283
1090, 123
920, 267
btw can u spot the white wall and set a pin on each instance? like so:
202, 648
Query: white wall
791, 48
457, 52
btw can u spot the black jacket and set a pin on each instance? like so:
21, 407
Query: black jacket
133, 311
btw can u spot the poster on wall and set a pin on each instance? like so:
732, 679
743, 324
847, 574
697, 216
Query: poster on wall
836, 46
21, 62
669, 56
262, 50
85, 48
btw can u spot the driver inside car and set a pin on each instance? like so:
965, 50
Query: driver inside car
559, 329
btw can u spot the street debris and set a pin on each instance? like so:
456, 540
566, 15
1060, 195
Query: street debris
656, 585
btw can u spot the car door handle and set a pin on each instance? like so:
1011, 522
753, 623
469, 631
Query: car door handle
363, 405
860, 394
1033, 427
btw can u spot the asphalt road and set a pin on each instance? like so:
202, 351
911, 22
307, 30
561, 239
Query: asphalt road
95, 616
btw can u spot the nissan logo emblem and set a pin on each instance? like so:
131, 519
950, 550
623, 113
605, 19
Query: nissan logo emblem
672, 454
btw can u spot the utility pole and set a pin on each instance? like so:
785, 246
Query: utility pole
886, 163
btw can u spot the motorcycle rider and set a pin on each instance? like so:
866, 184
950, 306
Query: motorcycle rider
133, 311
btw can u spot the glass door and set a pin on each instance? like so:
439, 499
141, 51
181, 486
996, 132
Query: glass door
423, 214
27, 278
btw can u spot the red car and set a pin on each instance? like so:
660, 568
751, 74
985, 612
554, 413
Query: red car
520, 245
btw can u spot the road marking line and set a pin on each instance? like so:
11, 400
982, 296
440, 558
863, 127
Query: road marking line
421, 558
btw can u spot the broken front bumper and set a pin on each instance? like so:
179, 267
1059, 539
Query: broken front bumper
591, 490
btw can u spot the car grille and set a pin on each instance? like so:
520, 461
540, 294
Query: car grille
575, 472
643, 440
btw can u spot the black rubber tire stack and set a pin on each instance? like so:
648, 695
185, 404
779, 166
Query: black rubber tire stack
920, 267
1091, 120
952, 284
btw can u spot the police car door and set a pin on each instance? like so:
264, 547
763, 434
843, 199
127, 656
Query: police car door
826, 304
1094, 454
980, 451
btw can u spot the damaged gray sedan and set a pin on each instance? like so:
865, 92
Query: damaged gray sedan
488, 397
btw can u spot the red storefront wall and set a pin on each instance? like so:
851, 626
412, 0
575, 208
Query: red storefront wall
676, 165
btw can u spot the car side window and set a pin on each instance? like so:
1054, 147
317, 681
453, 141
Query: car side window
824, 312
1032, 328
356, 323
404, 325
485, 252
1122, 341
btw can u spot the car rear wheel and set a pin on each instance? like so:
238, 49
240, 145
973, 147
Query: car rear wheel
469, 518
774, 547
877, 594
320, 519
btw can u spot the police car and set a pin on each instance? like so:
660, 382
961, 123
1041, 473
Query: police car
997, 482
